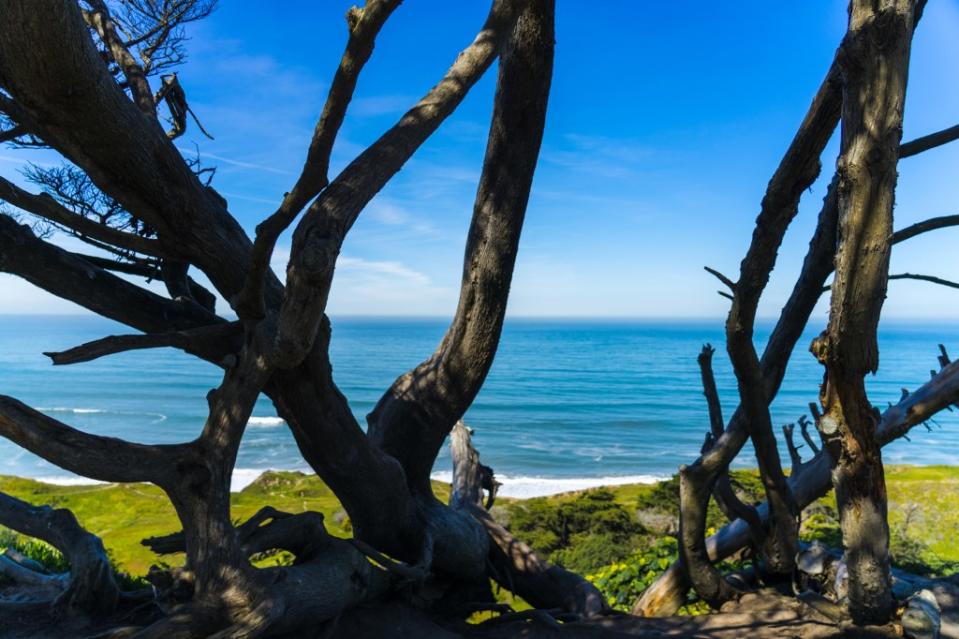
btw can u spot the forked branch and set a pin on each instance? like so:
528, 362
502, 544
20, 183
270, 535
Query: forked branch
364, 25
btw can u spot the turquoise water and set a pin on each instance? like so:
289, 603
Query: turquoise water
565, 399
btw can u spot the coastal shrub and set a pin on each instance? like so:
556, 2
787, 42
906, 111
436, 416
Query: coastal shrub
53, 560
39, 551
587, 551
623, 582
663, 497
588, 530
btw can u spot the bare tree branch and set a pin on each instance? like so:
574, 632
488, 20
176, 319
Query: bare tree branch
668, 592
94, 456
731, 285
723, 492
72, 278
47, 59
518, 567
46, 207
203, 341
90, 586
414, 416
915, 276
927, 142
12, 133
319, 235
364, 25
926, 225
99, 18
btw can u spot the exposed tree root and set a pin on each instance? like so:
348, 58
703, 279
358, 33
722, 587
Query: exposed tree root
89, 587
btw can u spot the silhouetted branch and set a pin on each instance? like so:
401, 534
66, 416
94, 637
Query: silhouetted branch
926, 142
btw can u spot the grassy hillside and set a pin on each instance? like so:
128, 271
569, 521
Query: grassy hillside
619, 533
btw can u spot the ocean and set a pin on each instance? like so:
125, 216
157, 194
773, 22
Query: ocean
568, 403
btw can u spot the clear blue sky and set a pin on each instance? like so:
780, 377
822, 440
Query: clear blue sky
666, 121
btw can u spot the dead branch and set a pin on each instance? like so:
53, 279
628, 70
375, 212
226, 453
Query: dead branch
100, 19
668, 592
926, 142
103, 458
517, 566
206, 340
413, 417
46, 207
319, 235
731, 285
364, 25
70, 277
926, 225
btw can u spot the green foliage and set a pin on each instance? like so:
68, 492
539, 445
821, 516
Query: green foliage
581, 532
663, 497
39, 551
623, 582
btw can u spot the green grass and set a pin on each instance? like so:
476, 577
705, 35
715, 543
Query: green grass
923, 513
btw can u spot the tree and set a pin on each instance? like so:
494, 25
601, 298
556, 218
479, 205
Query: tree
875, 65
77, 77
865, 88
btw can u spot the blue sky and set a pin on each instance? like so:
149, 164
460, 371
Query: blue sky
666, 121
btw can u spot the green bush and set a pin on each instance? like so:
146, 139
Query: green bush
581, 533
40, 552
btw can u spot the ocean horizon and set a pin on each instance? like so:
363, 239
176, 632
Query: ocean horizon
570, 403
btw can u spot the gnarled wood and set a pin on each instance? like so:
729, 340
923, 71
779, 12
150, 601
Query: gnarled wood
90, 586
665, 595
875, 65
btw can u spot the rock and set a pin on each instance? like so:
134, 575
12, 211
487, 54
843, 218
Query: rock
814, 560
921, 620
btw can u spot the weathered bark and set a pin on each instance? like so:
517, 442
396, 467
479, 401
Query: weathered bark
71, 277
89, 587
875, 69
320, 234
514, 564
364, 25
759, 380
52, 70
414, 416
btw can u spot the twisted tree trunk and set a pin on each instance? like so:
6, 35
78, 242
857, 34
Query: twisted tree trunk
875, 67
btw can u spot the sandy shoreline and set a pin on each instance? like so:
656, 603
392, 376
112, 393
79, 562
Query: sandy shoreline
518, 486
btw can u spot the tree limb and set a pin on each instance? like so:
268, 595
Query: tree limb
72, 278
723, 492
102, 458
90, 587
101, 21
665, 595
48, 59
926, 225
319, 235
414, 416
926, 142
517, 566
46, 207
203, 341
364, 25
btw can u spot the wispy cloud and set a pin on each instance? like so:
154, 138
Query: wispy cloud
381, 105
233, 162
599, 155
390, 213
391, 271
15, 159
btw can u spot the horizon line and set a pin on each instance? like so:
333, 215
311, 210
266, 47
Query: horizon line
633, 318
